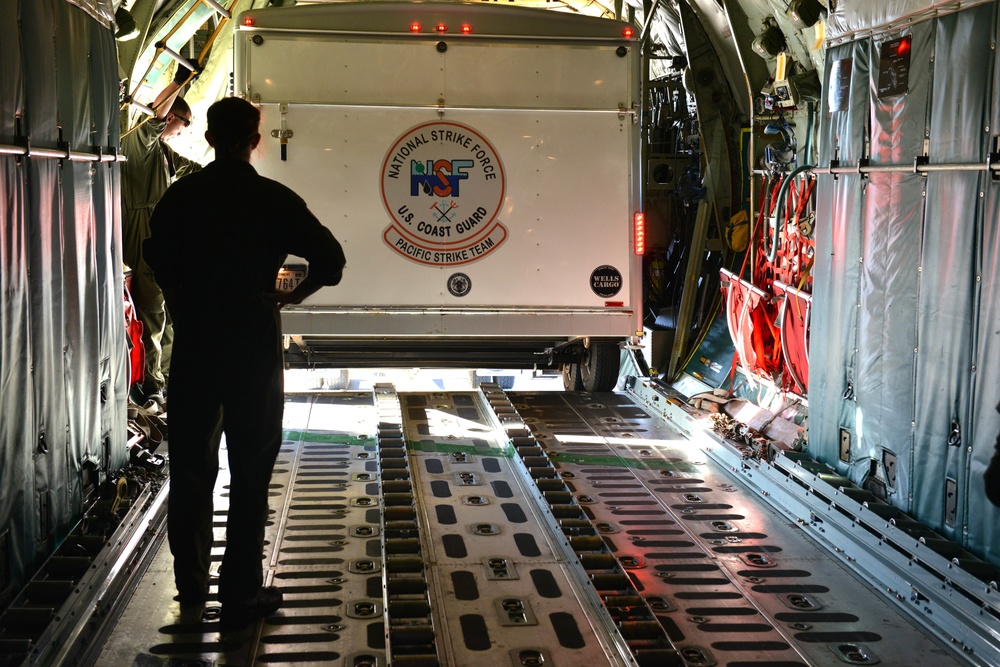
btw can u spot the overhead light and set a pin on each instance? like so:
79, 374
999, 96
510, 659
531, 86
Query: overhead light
771, 41
805, 13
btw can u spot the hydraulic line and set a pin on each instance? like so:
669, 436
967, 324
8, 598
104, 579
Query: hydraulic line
772, 252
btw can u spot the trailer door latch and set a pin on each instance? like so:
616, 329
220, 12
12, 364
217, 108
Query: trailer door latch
283, 134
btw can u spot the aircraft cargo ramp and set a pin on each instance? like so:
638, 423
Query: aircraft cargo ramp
486, 527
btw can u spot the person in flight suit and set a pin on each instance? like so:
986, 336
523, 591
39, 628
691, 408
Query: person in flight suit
149, 170
991, 478
227, 364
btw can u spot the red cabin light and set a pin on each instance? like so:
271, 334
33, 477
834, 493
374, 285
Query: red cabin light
466, 28
904, 46
249, 21
627, 32
414, 27
440, 27
639, 233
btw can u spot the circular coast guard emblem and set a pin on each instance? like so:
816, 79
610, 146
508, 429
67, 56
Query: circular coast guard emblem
443, 185
459, 284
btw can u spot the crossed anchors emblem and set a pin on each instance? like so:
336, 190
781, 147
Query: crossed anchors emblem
446, 214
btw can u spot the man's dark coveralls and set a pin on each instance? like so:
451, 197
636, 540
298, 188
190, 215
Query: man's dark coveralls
218, 238
146, 175
991, 477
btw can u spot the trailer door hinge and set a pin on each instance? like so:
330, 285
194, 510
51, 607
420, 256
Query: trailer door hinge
624, 110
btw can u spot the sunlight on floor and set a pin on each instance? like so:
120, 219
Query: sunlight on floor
417, 379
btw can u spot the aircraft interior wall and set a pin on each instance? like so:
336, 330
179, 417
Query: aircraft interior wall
907, 275
906, 298
62, 363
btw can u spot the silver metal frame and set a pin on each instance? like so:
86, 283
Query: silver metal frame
91, 612
60, 154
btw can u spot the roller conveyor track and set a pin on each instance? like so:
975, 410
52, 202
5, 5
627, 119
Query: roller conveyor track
544, 528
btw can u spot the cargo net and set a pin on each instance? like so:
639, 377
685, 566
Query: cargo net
768, 304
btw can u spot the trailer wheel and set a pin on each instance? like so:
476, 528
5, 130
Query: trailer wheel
571, 377
505, 381
341, 379
600, 367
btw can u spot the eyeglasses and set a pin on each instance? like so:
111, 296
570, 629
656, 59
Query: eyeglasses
186, 121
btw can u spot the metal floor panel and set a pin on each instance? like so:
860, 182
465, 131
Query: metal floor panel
314, 551
502, 586
746, 586
544, 528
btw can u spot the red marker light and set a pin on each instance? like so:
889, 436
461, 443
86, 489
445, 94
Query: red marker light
904, 46
466, 28
639, 231
627, 32
249, 21
414, 27
440, 27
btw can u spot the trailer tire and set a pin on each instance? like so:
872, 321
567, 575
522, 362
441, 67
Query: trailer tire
505, 381
340, 380
600, 367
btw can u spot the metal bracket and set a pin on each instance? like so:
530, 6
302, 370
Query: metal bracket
514, 611
950, 502
21, 138
863, 168
845, 445
993, 160
922, 160
889, 468
283, 134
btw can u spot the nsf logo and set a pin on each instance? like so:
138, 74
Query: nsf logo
443, 187
438, 178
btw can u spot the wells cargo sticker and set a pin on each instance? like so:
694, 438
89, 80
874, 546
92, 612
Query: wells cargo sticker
443, 185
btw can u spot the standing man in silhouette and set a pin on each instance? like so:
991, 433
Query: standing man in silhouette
227, 363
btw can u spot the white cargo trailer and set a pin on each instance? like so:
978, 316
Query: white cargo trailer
479, 164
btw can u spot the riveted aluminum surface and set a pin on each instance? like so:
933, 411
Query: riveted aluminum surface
315, 540
595, 534
747, 585
501, 586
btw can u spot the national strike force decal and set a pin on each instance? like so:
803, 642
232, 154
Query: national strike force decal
443, 186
